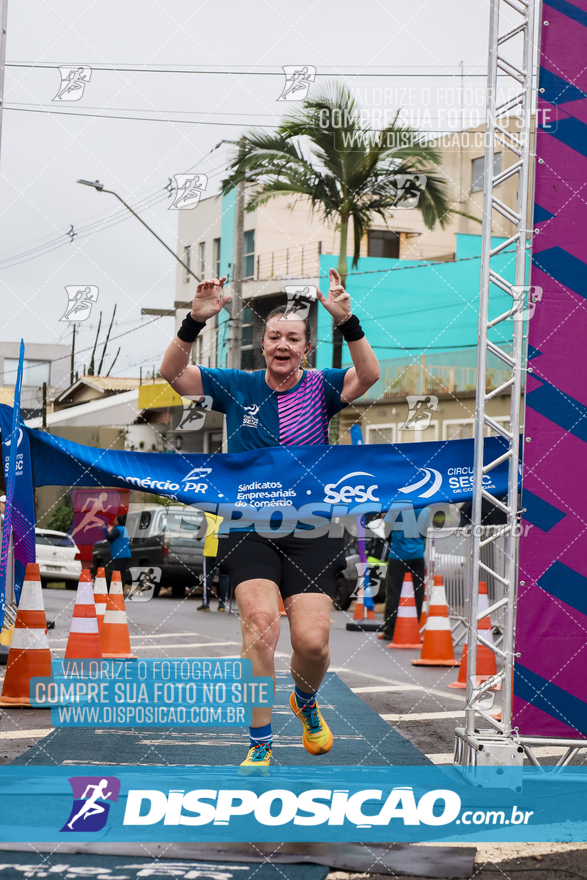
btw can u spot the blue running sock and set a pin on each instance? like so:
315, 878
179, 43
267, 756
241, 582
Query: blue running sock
260, 735
304, 699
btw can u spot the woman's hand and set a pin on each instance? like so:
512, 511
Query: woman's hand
208, 300
338, 301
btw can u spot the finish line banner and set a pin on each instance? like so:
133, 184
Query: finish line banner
316, 482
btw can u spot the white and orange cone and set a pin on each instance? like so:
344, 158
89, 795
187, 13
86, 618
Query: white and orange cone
100, 596
115, 637
84, 638
29, 654
406, 632
486, 664
437, 648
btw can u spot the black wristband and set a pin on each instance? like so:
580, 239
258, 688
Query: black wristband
351, 329
190, 329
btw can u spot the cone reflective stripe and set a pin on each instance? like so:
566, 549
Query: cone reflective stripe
437, 648
29, 654
486, 663
406, 632
114, 636
100, 596
84, 638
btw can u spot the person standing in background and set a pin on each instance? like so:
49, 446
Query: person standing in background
406, 556
210, 554
119, 542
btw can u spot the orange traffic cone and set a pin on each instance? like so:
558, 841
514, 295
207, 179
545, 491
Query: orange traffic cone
29, 654
406, 633
486, 665
282, 611
84, 638
437, 649
100, 596
115, 637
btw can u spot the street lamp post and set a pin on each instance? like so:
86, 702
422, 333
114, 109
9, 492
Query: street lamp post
99, 187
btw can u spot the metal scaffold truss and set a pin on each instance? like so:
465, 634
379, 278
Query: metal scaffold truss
486, 738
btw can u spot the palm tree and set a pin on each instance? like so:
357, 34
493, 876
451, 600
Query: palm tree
348, 171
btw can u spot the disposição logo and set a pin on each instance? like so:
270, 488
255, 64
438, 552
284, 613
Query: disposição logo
90, 802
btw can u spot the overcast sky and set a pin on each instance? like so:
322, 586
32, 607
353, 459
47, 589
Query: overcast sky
42, 153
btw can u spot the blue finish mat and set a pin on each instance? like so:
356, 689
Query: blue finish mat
134, 868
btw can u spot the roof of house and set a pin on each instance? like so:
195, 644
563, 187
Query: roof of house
118, 410
103, 384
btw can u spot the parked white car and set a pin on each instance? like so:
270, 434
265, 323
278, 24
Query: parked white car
58, 558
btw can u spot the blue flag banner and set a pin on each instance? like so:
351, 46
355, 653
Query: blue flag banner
305, 483
357, 440
19, 514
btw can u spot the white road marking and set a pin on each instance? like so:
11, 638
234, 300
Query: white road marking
449, 695
179, 635
178, 645
185, 645
387, 688
25, 734
423, 716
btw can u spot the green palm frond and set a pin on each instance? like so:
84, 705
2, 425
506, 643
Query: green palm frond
323, 151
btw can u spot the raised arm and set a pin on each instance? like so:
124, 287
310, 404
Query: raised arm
365, 370
185, 378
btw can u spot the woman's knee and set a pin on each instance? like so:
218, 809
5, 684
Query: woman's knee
260, 626
311, 643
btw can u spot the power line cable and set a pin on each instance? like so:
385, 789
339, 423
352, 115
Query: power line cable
225, 72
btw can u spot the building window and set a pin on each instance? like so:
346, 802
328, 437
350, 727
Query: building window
457, 429
213, 442
383, 243
247, 353
187, 258
202, 259
216, 257
380, 433
34, 372
249, 254
479, 171
407, 436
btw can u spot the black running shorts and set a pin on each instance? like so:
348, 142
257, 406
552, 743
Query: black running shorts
296, 565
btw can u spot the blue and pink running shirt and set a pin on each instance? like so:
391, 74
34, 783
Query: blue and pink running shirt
257, 416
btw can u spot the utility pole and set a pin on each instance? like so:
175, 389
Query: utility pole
72, 362
44, 407
236, 306
3, 22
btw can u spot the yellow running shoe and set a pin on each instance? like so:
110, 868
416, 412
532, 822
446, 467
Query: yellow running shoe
317, 737
257, 761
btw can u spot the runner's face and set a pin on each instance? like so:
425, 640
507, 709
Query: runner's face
285, 345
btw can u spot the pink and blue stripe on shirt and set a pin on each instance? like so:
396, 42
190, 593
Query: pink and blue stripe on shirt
303, 418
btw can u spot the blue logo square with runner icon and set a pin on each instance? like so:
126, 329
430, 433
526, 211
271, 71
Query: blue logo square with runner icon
91, 795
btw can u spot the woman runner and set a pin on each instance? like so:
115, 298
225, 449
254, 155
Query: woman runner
283, 405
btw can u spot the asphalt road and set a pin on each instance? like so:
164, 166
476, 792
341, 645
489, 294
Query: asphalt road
414, 700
